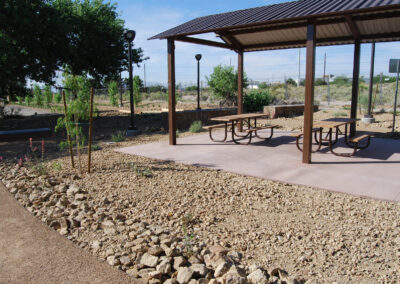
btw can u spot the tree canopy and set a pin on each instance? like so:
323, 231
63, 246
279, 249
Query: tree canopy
40, 37
223, 83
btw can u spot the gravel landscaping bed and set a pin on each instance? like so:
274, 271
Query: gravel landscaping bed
173, 223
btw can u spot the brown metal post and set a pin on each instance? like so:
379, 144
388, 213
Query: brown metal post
371, 80
309, 93
171, 92
240, 87
354, 93
66, 127
90, 129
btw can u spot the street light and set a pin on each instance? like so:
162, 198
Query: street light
198, 57
129, 36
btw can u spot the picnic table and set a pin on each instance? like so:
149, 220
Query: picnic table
332, 135
232, 121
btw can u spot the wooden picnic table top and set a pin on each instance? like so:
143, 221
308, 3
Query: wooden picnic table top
334, 122
230, 118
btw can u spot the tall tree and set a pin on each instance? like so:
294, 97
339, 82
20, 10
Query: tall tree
224, 83
40, 37
31, 39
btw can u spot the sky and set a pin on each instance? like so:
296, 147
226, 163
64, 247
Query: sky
150, 17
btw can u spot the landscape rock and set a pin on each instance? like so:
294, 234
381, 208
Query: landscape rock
149, 260
184, 275
221, 269
257, 277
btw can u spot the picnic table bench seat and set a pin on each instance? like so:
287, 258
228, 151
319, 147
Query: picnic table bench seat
255, 129
208, 127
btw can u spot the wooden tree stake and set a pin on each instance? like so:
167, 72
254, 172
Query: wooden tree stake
66, 127
90, 128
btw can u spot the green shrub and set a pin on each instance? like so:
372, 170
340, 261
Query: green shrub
137, 85
363, 101
191, 88
118, 137
20, 100
159, 96
96, 147
112, 92
256, 100
48, 95
57, 98
37, 96
196, 127
340, 114
28, 100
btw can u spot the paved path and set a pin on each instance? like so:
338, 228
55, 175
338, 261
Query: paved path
373, 172
30, 252
26, 111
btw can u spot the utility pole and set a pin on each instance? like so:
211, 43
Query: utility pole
144, 76
324, 66
286, 89
298, 78
381, 89
328, 90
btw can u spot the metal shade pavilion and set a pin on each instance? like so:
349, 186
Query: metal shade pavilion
303, 23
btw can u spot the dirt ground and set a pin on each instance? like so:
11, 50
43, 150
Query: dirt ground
319, 236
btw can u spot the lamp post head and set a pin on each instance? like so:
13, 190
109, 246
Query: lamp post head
198, 57
129, 35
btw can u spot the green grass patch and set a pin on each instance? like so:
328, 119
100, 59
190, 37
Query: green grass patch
118, 137
196, 127
340, 114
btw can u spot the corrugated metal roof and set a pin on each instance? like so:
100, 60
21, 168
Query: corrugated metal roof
279, 12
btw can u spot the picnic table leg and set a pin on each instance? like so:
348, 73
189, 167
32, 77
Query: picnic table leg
267, 138
318, 141
325, 141
339, 154
225, 136
234, 134
238, 135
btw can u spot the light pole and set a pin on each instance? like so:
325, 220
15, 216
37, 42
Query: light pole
198, 57
129, 37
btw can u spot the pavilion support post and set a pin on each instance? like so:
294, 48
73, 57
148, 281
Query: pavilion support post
309, 93
240, 87
354, 92
171, 92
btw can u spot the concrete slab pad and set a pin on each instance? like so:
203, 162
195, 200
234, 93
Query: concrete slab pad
373, 172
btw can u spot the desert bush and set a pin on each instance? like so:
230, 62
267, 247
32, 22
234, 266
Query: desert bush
118, 137
191, 89
340, 114
137, 85
28, 100
112, 92
196, 127
57, 98
159, 96
48, 95
2, 107
37, 96
256, 100
20, 100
